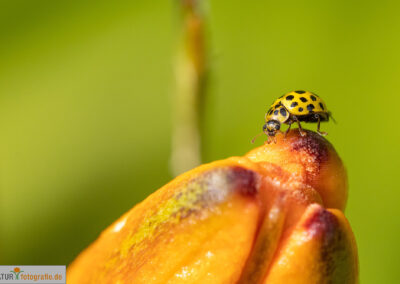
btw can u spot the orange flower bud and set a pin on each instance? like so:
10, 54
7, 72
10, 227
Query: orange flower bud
17, 269
260, 218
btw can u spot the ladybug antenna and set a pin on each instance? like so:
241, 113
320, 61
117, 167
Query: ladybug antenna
255, 137
330, 115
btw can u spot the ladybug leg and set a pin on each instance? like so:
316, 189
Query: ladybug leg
322, 133
302, 133
268, 141
287, 130
268, 138
330, 116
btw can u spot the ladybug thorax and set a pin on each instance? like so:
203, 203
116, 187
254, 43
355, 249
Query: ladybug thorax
278, 113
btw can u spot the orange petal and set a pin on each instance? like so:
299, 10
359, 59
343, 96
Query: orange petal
198, 228
320, 249
312, 160
265, 244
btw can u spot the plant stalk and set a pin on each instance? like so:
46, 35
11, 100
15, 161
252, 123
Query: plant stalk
190, 76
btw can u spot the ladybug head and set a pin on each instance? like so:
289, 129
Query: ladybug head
271, 127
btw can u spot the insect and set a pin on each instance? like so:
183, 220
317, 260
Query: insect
294, 107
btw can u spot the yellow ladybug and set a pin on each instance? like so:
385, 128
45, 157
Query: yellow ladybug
293, 107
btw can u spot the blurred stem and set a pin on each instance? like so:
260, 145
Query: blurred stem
190, 78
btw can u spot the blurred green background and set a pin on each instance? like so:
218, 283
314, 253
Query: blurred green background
85, 110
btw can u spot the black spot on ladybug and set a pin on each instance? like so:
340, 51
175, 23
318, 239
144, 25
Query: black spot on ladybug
276, 112
322, 106
283, 112
290, 97
303, 99
310, 107
300, 109
300, 92
294, 104
277, 106
313, 98
270, 112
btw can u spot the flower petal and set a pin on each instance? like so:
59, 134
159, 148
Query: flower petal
198, 228
312, 160
320, 249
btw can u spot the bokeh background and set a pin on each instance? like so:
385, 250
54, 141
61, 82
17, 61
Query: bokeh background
85, 109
